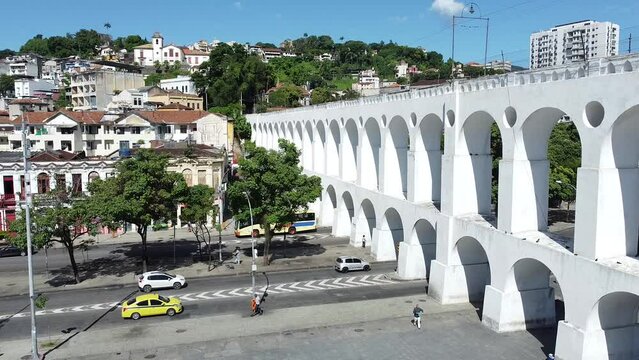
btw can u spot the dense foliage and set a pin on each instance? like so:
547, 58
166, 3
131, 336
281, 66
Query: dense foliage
276, 187
142, 192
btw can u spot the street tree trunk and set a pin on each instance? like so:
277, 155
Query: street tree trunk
141, 229
268, 235
74, 265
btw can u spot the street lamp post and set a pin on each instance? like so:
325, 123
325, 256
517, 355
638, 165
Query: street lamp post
253, 266
568, 203
27, 209
472, 8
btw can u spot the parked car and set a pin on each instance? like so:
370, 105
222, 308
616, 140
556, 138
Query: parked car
349, 263
150, 305
10, 250
159, 280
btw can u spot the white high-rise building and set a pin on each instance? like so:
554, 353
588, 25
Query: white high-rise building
573, 42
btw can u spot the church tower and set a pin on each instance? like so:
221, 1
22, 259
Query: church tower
158, 44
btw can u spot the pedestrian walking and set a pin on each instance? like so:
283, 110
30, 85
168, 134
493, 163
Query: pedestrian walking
236, 254
363, 241
417, 316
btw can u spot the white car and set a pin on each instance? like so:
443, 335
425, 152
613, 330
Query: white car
159, 280
350, 263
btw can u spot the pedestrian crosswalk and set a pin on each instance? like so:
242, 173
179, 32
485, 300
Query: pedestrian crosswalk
284, 288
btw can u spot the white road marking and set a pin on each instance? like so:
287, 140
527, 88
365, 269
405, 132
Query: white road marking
294, 287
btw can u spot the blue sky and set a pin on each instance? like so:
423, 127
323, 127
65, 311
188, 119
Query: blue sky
417, 23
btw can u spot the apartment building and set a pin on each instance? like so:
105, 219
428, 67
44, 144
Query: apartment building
94, 89
573, 42
100, 134
22, 65
181, 83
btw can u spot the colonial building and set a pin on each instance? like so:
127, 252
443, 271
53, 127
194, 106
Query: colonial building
156, 51
72, 171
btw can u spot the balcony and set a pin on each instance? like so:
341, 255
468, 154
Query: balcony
7, 200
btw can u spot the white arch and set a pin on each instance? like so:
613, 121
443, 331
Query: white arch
319, 148
416, 254
365, 223
476, 274
307, 146
329, 204
345, 213
349, 151
371, 145
332, 149
428, 159
396, 158
390, 234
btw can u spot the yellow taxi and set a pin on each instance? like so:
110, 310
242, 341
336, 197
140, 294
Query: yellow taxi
150, 305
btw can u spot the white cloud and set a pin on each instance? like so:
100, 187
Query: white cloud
398, 18
447, 7
238, 5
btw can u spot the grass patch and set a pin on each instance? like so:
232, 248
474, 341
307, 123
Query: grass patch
48, 344
343, 83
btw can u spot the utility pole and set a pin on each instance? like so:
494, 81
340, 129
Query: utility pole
629, 42
27, 209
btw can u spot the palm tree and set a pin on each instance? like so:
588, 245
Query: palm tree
107, 26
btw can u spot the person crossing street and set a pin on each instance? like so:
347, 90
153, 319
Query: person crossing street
417, 316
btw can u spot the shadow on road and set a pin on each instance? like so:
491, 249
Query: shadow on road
289, 249
127, 259
5, 321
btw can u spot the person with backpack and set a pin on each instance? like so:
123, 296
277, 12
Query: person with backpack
417, 316
255, 305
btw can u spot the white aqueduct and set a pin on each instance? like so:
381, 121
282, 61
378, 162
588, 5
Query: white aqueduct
384, 175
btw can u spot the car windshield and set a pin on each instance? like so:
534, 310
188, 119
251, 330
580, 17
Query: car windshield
164, 299
339, 260
169, 275
130, 302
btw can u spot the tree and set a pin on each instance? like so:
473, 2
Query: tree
6, 84
350, 94
58, 217
231, 75
198, 209
142, 192
276, 187
6, 53
322, 95
287, 96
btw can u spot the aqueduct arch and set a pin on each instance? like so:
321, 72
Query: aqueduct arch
345, 213
365, 224
416, 254
371, 145
396, 158
389, 235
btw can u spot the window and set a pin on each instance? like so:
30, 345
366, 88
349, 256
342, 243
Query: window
188, 177
338, 260
77, 183
201, 177
43, 183
130, 302
107, 144
357, 261
135, 130
143, 303
155, 302
171, 52
119, 131
182, 129
165, 54
155, 277
349, 261
157, 41
61, 182
4, 140
93, 175
107, 129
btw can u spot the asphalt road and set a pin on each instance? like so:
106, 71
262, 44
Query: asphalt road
54, 324
58, 258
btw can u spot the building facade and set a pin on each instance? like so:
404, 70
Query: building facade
181, 83
573, 42
29, 87
53, 170
103, 134
94, 89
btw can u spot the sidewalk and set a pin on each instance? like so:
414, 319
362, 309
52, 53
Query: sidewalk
133, 336
305, 256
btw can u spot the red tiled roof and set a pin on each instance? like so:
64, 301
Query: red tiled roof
56, 155
27, 101
84, 117
172, 117
188, 51
174, 106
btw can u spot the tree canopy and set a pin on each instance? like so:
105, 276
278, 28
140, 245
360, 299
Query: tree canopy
231, 75
83, 43
58, 217
277, 189
143, 191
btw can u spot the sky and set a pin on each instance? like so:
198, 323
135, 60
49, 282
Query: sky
425, 23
